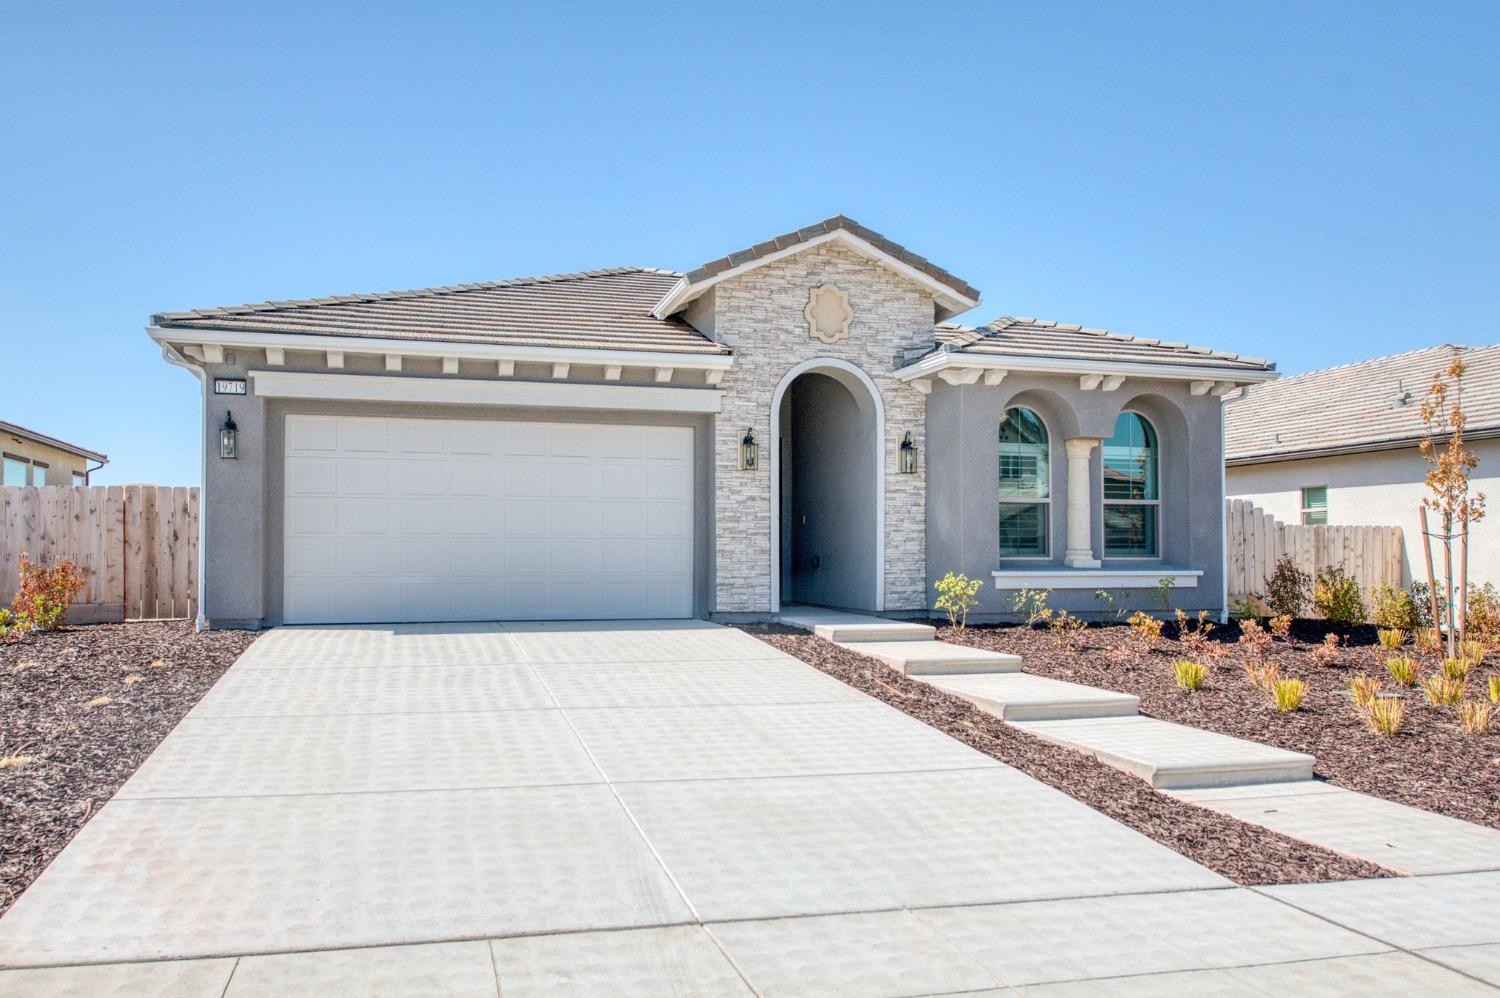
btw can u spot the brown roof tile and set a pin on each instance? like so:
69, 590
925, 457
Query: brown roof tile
1025, 336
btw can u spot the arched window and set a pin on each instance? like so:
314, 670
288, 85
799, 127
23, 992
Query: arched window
1025, 495
1132, 500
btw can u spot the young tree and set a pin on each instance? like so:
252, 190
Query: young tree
1449, 466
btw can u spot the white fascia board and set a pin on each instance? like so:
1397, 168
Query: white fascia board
933, 363
682, 292
315, 343
1101, 578
463, 391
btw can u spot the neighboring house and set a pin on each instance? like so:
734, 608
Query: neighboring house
795, 422
33, 458
1340, 446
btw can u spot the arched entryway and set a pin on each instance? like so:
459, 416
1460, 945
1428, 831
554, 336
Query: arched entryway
827, 500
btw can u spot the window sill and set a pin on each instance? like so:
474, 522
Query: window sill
1095, 578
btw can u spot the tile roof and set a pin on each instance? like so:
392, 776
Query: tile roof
1356, 406
837, 222
15, 429
1012, 336
595, 309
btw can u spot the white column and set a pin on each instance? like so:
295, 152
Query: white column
1080, 551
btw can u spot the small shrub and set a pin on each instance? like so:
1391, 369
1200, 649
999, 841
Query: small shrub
1327, 653
1482, 612
1161, 593
1189, 674
1288, 694
1472, 651
1494, 689
1256, 640
45, 594
1067, 629
1033, 603
1364, 689
13, 628
1443, 689
1145, 629
1262, 675
1391, 638
957, 595
1336, 597
1193, 633
1422, 599
1385, 715
1474, 716
1403, 670
1109, 605
1250, 607
1282, 627
1393, 609
1458, 669
1286, 589
1427, 640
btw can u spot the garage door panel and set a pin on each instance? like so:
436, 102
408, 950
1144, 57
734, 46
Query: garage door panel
392, 519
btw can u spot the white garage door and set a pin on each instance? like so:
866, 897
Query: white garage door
450, 519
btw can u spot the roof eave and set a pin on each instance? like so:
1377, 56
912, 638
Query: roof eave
940, 360
62, 445
1338, 450
949, 302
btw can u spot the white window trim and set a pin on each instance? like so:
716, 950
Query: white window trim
1157, 502
1047, 502
1304, 508
1099, 578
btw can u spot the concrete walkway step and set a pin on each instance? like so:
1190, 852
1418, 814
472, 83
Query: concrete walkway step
924, 658
1017, 696
1172, 756
843, 627
1400, 838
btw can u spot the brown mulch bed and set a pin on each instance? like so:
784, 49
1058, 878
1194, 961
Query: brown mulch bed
81, 754
1246, 854
1431, 764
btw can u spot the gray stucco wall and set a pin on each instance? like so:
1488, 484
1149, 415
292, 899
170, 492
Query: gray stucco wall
243, 498
963, 533
831, 480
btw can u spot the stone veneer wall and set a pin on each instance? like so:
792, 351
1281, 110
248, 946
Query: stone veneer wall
759, 315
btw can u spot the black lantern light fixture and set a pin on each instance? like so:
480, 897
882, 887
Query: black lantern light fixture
229, 445
749, 450
908, 455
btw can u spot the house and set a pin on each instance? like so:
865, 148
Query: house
1340, 446
32, 458
796, 422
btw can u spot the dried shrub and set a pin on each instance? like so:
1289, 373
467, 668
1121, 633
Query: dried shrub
1403, 670
1189, 675
1393, 609
1427, 640
1391, 638
45, 594
1364, 689
1262, 675
1474, 716
1287, 694
1067, 629
1145, 630
1385, 715
1443, 689
1282, 627
1256, 640
1286, 588
1327, 653
1193, 633
1336, 597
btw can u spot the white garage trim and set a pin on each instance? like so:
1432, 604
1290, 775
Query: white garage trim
454, 391
391, 519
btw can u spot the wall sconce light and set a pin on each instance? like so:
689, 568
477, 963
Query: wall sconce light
229, 447
748, 450
908, 455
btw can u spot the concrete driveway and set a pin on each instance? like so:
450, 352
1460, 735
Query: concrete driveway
617, 808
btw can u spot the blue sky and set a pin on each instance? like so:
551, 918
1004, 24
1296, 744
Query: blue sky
1315, 183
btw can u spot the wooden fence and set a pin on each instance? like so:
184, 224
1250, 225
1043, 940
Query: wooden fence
135, 545
1255, 540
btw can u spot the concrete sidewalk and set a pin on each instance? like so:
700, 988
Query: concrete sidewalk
627, 808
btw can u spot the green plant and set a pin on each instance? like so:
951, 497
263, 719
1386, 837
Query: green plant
1109, 605
1336, 597
13, 628
1286, 588
1426, 639
1393, 609
1403, 670
1288, 694
1161, 593
1474, 716
1250, 607
1391, 639
957, 594
1189, 675
1385, 715
1472, 651
1458, 668
1449, 467
45, 594
1482, 613
1443, 689
1033, 603
1364, 689
1421, 598
1494, 689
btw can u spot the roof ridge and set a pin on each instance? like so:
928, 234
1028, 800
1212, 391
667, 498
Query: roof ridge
1009, 321
1375, 360
371, 296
